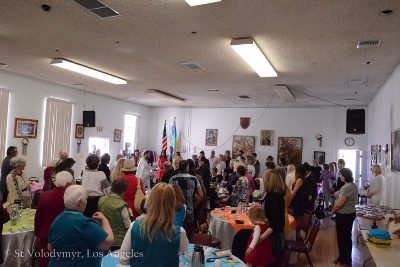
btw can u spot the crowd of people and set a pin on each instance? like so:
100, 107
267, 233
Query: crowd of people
103, 213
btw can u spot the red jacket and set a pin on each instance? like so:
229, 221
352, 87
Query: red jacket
129, 195
51, 204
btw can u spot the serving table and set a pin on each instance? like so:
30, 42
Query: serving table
382, 256
19, 241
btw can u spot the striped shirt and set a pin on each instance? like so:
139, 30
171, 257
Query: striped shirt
190, 185
351, 191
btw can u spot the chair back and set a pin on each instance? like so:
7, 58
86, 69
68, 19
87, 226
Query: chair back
313, 235
202, 237
284, 258
189, 228
304, 224
290, 210
240, 241
201, 217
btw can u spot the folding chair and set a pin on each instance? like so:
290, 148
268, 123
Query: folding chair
305, 247
202, 237
304, 226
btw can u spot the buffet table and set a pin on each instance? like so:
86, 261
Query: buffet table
19, 241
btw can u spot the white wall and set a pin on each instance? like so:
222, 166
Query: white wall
28, 100
384, 117
330, 122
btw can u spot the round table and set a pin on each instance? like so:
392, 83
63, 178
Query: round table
19, 241
111, 260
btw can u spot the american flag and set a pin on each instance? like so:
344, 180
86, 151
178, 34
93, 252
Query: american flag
164, 137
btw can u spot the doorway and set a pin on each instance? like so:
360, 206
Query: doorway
353, 159
100, 143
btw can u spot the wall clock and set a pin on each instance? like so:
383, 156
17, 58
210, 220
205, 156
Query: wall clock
349, 141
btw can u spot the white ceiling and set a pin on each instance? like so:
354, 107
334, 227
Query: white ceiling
310, 43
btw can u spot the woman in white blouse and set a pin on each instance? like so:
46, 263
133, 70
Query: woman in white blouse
375, 190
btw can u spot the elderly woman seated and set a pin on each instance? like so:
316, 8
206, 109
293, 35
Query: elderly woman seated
96, 184
241, 188
80, 240
116, 211
17, 182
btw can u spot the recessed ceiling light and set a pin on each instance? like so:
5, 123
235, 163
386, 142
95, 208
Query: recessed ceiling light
356, 81
386, 12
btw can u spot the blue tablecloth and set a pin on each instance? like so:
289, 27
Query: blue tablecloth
111, 260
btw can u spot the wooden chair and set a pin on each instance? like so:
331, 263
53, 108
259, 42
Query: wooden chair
202, 237
284, 259
305, 247
304, 226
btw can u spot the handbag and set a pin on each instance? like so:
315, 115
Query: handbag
222, 193
139, 196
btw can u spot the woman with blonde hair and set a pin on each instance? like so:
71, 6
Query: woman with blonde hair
117, 172
291, 176
156, 235
282, 174
375, 190
274, 208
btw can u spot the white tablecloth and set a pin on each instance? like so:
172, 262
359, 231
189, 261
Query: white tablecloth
18, 247
222, 230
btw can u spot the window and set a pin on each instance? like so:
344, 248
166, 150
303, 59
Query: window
131, 132
4, 96
57, 128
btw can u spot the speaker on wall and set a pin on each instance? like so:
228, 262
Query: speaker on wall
89, 118
355, 121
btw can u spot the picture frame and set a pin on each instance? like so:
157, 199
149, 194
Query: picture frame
291, 149
320, 157
266, 138
211, 137
245, 143
395, 151
117, 135
25, 128
79, 131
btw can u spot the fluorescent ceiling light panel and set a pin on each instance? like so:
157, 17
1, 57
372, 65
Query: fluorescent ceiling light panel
284, 93
250, 52
69, 65
201, 2
165, 96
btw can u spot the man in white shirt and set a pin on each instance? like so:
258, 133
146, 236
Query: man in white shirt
213, 160
143, 170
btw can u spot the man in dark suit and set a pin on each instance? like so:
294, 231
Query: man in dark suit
169, 172
312, 186
6, 168
206, 161
205, 173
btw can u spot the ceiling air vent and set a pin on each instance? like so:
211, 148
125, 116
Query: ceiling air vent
97, 8
244, 96
192, 66
365, 44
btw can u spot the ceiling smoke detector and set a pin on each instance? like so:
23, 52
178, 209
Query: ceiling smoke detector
366, 44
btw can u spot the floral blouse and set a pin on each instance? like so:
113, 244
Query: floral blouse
241, 191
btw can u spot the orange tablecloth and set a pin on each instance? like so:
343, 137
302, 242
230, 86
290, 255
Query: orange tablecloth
228, 217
